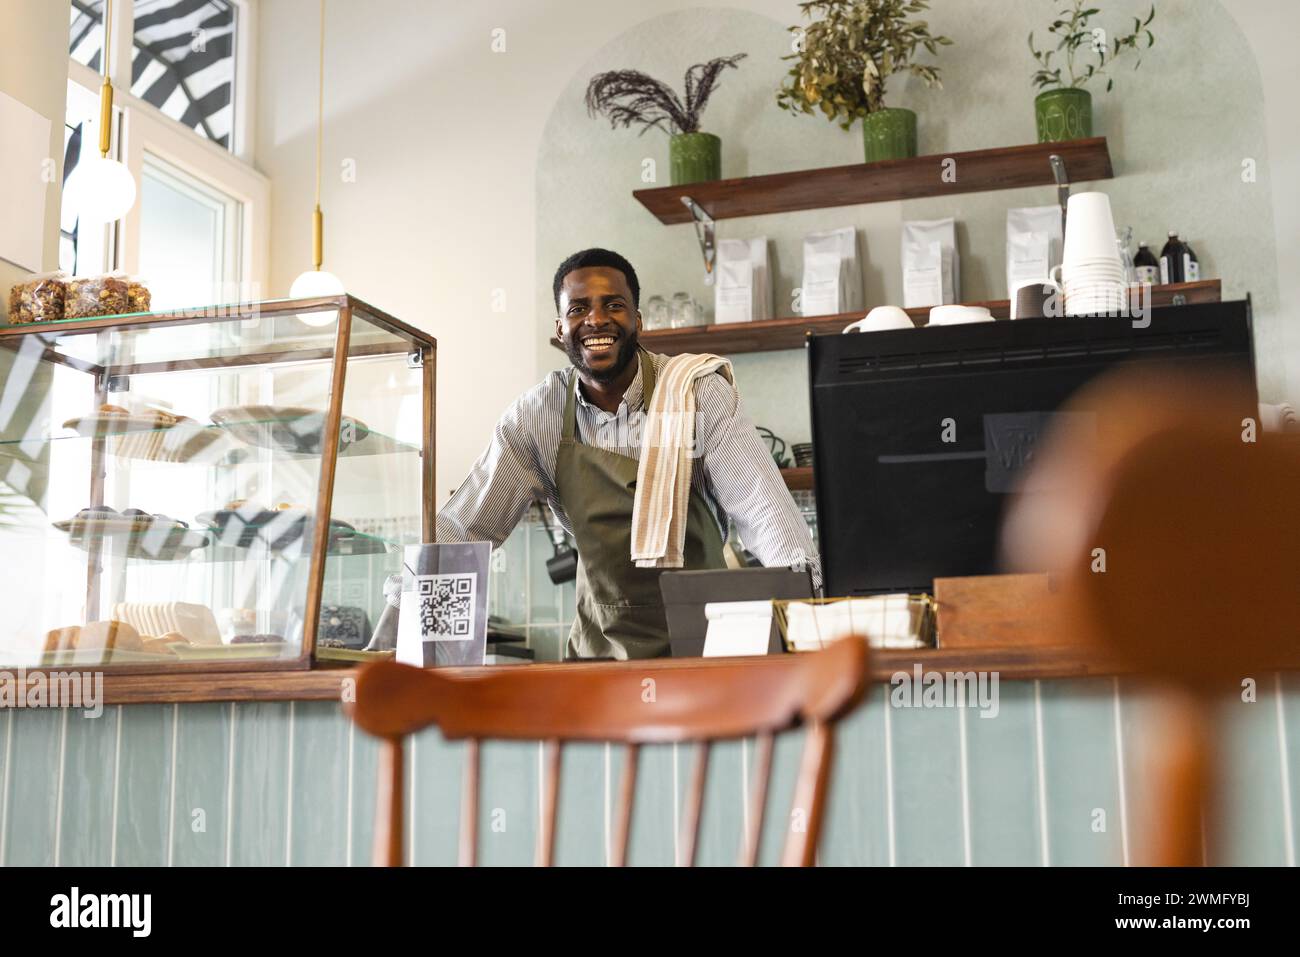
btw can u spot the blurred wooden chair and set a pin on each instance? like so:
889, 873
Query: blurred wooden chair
1174, 532
632, 703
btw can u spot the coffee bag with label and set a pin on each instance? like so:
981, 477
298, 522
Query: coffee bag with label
1034, 241
832, 273
733, 294
743, 292
931, 267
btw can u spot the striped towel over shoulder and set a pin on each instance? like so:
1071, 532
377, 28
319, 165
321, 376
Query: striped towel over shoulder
663, 476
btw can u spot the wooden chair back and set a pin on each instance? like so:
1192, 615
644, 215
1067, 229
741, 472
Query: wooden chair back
1174, 531
632, 703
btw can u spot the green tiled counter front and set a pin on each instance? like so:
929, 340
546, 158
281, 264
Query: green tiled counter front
1055, 778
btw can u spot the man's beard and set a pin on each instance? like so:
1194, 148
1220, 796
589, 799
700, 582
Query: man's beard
626, 354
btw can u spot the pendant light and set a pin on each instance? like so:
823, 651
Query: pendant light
102, 190
315, 281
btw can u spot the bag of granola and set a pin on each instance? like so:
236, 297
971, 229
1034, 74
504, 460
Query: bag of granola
96, 296
38, 298
138, 296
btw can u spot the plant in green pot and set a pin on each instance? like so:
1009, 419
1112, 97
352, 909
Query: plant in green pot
1082, 53
632, 98
843, 60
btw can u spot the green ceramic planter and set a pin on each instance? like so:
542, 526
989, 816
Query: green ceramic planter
1064, 114
694, 158
889, 134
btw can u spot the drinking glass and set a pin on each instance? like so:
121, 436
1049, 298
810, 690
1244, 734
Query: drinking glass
683, 311
657, 313
1123, 239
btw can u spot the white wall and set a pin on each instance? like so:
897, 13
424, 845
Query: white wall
442, 219
1271, 27
34, 71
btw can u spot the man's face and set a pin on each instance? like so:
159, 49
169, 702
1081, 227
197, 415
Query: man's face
598, 323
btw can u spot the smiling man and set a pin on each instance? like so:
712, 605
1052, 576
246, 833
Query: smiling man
574, 441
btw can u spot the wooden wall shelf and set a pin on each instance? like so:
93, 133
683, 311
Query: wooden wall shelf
974, 171
775, 334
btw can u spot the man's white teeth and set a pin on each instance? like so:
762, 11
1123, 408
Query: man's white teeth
598, 342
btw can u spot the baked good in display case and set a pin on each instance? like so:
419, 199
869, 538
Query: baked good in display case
152, 434
138, 297
186, 622
39, 299
133, 532
110, 635
53, 296
263, 639
95, 296
286, 428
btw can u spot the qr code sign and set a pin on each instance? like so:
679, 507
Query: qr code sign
446, 606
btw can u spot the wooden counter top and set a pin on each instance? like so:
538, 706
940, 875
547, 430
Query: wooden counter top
326, 683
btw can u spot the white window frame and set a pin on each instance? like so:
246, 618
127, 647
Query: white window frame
141, 128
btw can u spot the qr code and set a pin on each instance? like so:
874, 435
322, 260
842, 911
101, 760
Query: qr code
446, 606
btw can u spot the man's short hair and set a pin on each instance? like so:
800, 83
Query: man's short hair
597, 257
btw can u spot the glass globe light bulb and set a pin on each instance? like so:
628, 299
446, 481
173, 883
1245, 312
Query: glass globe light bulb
101, 190
313, 283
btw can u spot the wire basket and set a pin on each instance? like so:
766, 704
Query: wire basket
886, 621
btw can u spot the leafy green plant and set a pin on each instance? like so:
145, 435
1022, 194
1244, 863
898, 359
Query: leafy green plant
843, 60
632, 98
1075, 39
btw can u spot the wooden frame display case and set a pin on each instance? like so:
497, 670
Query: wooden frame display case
221, 489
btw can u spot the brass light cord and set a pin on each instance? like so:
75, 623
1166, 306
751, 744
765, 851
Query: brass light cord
318, 219
108, 33
106, 89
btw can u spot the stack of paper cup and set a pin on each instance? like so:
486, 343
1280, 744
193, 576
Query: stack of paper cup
1091, 273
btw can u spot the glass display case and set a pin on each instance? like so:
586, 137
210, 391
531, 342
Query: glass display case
219, 489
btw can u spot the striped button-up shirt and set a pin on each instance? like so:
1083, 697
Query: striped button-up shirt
733, 468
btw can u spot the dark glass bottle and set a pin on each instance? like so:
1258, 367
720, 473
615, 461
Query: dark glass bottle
1173, 267
1146, 266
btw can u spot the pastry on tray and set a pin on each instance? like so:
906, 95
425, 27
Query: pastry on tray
165, 644
62, 639
264, 639
133, 532
111, 419
189, 622
99, 520
153, 434
111, 635
288, 428
244, 523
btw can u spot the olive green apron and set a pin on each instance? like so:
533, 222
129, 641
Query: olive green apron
620, 612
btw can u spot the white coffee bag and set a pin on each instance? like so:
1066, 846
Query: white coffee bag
743, 292
733, 294
931, 266
1033, 244
832, 273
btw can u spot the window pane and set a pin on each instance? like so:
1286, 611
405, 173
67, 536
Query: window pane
86, 35
184, 62
83, 251
73, 129
186, 232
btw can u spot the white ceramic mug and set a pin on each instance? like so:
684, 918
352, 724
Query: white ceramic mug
955, 315
1057, 310
881, 318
